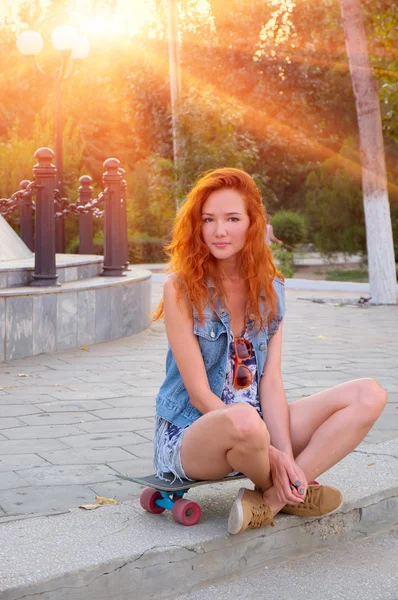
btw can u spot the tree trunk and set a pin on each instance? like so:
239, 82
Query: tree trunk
381, 264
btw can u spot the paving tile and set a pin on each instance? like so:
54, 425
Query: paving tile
139, 400
67, 474
387, 421
19, 410
144, 450
45, 499
125, 412
55, 406
36, 390
10, 480
377, 436
134, 466
147, 433
103, 426
85, 456
20, 461
8, 423
102, 440
93, 394
119, 490
36, 445
55, 418
22, 399
29, 432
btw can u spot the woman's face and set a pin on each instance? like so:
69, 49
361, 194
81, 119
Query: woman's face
225, 223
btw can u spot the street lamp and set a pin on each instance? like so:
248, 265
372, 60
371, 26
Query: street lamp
175, 78
72, 47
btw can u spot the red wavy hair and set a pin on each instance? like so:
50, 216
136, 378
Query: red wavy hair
192, 263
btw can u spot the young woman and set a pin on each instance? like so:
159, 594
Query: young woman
222, 407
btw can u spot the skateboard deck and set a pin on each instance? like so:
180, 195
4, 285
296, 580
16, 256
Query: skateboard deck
160, 495
155, 483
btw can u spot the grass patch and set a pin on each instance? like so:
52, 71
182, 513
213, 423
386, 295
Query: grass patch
356, 275
352, 275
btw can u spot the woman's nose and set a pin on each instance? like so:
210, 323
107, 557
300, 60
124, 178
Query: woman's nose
220, 229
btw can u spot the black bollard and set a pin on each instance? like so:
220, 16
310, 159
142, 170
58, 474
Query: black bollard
44, 171
123, 221
113, 253
86, 243
26, 217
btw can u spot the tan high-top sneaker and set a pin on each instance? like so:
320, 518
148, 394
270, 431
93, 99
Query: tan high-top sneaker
319, 500
249, 512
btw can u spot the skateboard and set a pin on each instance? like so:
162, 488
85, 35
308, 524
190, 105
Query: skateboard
160, 495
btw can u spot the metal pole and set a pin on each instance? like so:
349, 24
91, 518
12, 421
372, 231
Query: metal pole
86, 245
123, 220
45, 273
175, 77
60, 221
113, 251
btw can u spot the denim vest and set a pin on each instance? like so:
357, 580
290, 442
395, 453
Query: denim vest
172, 402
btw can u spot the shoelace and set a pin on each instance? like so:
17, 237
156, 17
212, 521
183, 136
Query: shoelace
312, 498
260, 516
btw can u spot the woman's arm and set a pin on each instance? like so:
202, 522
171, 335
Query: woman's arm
273, 398
287, 476
186, 351
273, 237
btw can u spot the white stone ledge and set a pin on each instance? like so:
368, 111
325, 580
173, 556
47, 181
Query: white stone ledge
36, 320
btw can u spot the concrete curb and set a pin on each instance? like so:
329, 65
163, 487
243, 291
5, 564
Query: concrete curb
305, 284
118, 551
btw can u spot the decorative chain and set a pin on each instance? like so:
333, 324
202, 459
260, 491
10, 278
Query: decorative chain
64, 207
10, 205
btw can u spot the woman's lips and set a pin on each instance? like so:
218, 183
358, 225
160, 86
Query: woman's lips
221, 245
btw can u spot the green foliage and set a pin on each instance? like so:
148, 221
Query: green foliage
211, 135
348, 275
284, 261
289, 226
334, 204
17, 155
140, 250
151, 203
262, 89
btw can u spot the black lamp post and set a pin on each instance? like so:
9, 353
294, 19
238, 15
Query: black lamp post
72, 47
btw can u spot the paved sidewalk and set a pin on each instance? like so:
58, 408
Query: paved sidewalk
70, 421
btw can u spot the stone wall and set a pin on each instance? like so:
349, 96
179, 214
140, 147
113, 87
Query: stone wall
78, 313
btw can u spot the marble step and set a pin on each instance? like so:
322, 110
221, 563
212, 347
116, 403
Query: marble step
70, 267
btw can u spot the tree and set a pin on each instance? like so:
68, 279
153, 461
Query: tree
381, 264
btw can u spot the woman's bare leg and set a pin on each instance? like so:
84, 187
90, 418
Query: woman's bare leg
227, 439
327, 426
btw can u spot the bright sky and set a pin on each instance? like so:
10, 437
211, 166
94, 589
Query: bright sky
130, 16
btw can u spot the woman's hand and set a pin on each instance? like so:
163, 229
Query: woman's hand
288, 478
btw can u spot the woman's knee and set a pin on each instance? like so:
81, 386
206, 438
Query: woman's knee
371, 400
246, 425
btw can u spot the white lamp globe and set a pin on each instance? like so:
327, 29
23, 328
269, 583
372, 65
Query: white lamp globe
30, 43
63, 38
81, 48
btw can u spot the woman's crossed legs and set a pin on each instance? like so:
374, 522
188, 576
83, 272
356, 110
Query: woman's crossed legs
324, 428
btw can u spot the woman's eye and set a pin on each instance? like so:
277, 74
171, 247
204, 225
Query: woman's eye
206, 220
234, 219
